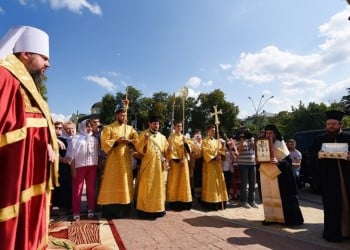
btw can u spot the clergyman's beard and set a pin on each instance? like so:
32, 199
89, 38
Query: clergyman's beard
38, 79
37, 75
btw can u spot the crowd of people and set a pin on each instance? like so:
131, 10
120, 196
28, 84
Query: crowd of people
170, 172
46, 164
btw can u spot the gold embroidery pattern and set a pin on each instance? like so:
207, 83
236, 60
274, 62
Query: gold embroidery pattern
27, 103
14, 65
12, 211
20, 134
13, 136
36, 122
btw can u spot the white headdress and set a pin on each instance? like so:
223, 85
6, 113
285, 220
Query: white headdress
281, 150
24, 39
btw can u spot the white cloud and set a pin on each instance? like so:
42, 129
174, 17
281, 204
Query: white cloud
294, 77
207, 83
191, 93
226, 66
72, 5
102, 81
336, 33
271, 64
112, 73
193, 82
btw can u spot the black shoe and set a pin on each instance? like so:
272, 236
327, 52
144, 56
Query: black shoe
267, 223
333, 239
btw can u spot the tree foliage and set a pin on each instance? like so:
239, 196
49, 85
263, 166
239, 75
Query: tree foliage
167, 108
196, 112
345, 102
107, 109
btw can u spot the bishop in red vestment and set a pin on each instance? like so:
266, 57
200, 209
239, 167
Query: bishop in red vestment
28, 145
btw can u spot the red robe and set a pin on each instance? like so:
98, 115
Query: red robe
25, 131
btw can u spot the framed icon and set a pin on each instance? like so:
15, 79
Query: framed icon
263, 150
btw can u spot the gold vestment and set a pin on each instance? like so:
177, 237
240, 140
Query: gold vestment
178, 181
151, 177
214, 187
116, 183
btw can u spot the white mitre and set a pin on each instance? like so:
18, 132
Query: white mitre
281, 150
24, 39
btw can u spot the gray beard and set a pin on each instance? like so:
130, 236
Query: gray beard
38, 79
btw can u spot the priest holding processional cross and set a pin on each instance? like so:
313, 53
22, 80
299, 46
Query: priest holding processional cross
116, 193
214, 192
178, 191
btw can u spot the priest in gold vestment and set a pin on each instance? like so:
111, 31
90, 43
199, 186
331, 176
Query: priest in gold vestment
214, 192
178, 192
116, 191
278, 184
152, 145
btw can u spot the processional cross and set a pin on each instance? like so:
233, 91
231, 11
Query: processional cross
126, 103
215, 114
217, 123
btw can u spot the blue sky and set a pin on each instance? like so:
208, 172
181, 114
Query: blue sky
292, 50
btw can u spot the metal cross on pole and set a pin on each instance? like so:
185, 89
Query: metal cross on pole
216, 117
215, 114
183, 93
217, 123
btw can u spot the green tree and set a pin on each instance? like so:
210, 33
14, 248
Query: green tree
345, 102
107, 115
197, 116
145, 104
228, 120
133, 95
283, 121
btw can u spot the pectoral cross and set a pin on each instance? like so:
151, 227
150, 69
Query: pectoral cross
215, 114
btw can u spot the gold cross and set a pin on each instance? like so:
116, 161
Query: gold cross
215, 114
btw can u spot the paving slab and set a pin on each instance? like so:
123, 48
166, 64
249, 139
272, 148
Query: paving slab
233, 228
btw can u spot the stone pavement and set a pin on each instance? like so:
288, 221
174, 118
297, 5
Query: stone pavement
232, 228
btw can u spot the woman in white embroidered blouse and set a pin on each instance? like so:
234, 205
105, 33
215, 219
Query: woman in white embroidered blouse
82, 153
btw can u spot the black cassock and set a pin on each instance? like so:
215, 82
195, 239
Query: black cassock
328, 178
289, 196
62, 195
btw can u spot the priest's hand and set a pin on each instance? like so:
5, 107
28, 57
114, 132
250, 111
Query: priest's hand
123, 140
146, 136
61, 144
50, 153
274, 160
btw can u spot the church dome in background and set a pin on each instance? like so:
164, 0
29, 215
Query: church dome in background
96, 108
